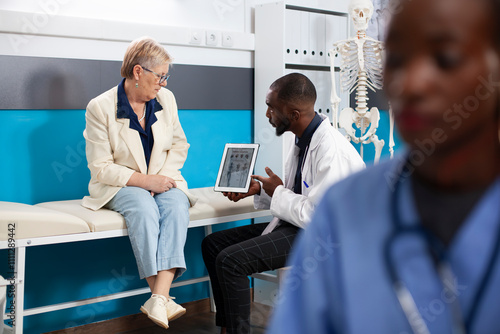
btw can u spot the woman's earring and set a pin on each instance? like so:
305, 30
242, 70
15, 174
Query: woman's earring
137, 85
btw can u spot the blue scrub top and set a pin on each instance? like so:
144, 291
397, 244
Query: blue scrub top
339, 281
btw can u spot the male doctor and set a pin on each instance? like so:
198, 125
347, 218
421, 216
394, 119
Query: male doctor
320, 157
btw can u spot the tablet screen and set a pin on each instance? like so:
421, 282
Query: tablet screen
236, 167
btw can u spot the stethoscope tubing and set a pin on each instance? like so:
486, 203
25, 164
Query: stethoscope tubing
437, 248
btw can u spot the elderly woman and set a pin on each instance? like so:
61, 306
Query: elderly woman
135, 150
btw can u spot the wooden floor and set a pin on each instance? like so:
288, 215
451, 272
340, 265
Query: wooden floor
198, 320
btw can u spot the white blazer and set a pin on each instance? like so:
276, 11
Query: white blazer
330, 158
114, 150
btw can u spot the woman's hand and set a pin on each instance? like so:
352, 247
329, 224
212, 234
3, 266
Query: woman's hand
156, 184
159, 184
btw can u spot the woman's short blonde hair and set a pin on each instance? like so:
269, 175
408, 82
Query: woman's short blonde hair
144, 51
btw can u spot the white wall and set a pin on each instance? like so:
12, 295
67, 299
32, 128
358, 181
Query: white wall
236, 15
216, 14
102, 29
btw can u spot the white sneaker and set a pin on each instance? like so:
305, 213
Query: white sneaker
155, 309
174, 310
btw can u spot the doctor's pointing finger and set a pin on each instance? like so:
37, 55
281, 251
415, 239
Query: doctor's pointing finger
270, 183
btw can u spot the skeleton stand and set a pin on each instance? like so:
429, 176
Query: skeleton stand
361, 68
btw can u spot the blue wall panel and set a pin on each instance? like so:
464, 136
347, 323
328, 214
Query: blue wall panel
44, 150
208, 131
44, 155
43, 159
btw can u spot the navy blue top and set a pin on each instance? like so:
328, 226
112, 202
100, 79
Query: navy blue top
124, 110
303, 142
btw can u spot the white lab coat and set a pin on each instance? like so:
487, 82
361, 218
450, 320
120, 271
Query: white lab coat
330, 158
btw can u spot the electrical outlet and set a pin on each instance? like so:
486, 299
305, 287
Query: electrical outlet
227, 39
212, 38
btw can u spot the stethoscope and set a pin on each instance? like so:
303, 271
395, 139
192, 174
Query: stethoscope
461, 324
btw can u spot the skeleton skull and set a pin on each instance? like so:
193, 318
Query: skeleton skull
361, 12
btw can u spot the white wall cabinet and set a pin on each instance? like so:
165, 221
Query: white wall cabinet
288, 39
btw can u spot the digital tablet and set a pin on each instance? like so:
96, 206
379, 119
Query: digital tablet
236, 168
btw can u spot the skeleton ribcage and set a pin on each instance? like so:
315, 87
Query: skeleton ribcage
350, 67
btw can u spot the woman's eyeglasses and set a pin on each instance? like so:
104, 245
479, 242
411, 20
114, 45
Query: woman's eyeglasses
161, 78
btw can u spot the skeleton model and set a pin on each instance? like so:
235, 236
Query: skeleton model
361, 68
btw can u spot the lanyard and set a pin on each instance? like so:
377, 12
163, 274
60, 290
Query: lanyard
460, 324
444, 272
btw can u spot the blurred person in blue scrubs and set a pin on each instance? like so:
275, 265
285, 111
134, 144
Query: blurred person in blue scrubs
412, 245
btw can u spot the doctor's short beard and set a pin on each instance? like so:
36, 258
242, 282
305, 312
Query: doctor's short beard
283, 127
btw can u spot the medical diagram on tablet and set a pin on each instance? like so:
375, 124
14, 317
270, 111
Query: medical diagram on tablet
236, 168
